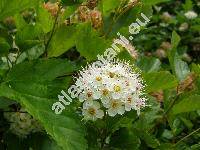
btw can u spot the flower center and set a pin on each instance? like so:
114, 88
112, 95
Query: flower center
117, 88
92, 111
105, 92
114, 104
98, 78
111, 75
89, 94
127, 83
129, 100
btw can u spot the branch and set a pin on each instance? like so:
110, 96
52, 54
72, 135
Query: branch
184, 138
116, 18
53, 30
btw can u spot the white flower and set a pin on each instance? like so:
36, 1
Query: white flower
12, 57
115, 107
96, 79
22, 123
130, 102
109, 87
140, 102
92, 112
166, 16
191, 14
105, 96
87, 94
184, 26
117, 89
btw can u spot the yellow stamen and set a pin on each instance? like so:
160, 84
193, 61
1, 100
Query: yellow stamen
105, 92
117, 88
114, 104
127, 83
89, 94
91, 111
98, 78
129, 100
111, 75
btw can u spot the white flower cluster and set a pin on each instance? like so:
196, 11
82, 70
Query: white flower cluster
191, 14
10, 59
113, 88
22, 123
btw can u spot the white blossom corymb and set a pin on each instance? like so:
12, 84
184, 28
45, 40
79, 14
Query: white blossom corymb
112, 88
191, 14
22, 123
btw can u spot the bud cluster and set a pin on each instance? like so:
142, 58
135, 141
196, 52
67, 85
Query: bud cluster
51, 7
88, 12
22, 123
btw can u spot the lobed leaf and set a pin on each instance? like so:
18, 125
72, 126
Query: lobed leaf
189, 104
14, 6
29, 83
159, 81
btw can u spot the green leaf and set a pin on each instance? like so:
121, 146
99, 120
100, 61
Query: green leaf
72, 2
189, 104
122, 24
121, 122
19, 22
195, 146
45, 70
41, 142
4, 103
125, 139
31, 84
159, 81
4, 46
149, 64
109, 6
196, 68
125, 55
179, 67
154, 2
175, 39
44, 19
167, 134
14, 6
149, 139
196, 28
36, 141
35, 52
166, 146
39, 75
149, 116
69, 11
28, 36
187, 122
188, 5
12, 141
89, 43
63, 39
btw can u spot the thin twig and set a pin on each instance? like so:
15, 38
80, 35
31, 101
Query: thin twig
116, 18
171, 105
177, 97
184, 138
53, 30
9, 61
